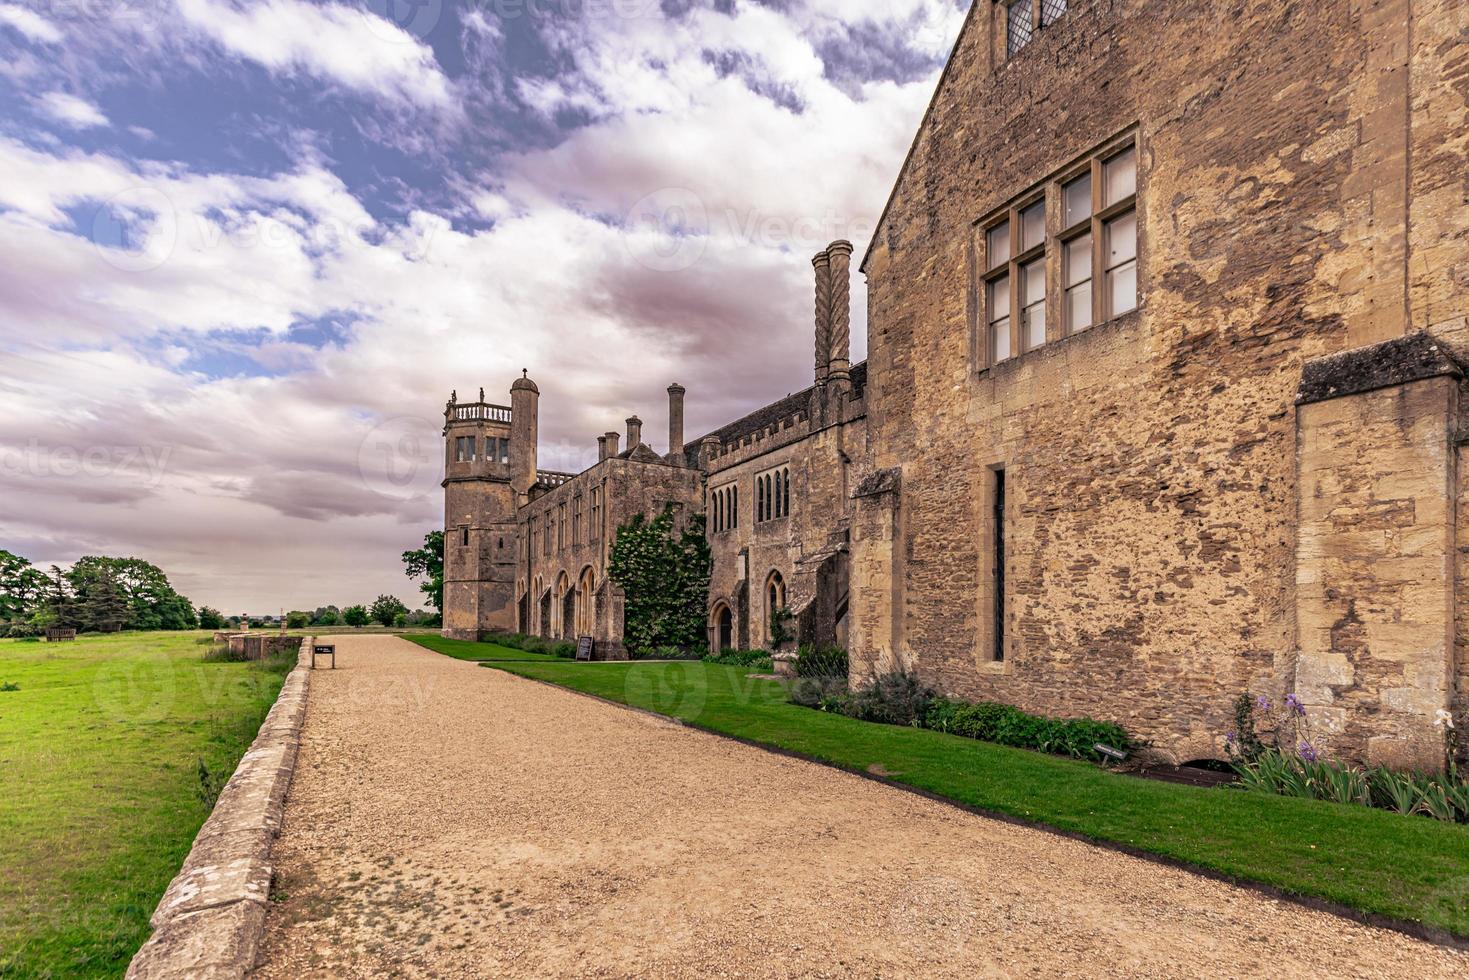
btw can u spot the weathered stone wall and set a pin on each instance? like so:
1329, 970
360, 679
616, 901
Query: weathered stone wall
628, 487
808, 547
1375, 567
478, 498
1150, 461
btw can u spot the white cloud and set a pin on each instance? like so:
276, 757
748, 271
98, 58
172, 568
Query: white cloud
342, 44
31, 24
106, 351
70, 110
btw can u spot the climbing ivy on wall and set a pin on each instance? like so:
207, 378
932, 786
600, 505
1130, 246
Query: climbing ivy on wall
664, 576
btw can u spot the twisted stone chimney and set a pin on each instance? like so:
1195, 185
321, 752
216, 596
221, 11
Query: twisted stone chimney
839, 255
822, 264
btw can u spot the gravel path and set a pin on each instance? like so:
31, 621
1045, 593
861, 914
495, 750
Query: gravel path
450, 820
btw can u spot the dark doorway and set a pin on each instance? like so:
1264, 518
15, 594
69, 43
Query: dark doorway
725, 629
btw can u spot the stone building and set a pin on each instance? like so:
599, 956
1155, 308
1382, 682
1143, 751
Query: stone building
527, 549
779, 492
1162, 405
1162, 399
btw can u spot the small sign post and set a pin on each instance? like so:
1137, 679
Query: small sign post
584, 646
324, 650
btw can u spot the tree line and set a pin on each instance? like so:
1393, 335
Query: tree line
98, 594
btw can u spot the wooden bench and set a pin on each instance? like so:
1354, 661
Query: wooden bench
60, 635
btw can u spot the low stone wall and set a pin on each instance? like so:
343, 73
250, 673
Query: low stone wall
256, 645
209, 923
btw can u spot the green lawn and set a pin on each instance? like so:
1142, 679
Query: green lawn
99, 753
481, 652
1408, 868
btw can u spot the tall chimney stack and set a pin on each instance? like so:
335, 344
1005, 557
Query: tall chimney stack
612, 444
601, 448
676, 393
822, 264
840, 256
634, 433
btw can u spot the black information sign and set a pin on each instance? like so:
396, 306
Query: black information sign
584, 648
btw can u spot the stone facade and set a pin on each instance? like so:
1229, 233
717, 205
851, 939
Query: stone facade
1162, 403
1172, 529
528, 550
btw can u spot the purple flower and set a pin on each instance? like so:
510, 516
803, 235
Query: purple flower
1229, 739
1294, 705
1309, 752
1263, 703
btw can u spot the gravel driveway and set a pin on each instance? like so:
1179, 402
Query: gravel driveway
449, 820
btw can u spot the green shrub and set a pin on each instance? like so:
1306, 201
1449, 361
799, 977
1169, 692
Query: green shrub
1440, 796
9, 686
24, 631
821, 662
757, 661
297, 620
822, 693
897, 698
564, 649
1008, 725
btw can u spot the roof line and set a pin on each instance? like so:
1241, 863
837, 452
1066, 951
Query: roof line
922, 125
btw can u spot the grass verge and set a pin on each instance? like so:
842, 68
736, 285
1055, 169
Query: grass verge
1408, 869
99, 791
480, 652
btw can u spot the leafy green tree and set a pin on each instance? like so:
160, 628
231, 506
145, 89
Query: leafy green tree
428, 562
22, 587
210, 618
297, 620
152, 603
665, 578
98, 602
356, 616
385, 609
326, 616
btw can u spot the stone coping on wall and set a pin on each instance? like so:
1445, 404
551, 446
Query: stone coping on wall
1415, 357
210, 920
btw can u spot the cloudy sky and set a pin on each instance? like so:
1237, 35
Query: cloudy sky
247, 247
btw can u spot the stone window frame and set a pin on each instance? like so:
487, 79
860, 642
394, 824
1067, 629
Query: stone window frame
595, 526
459, 444
1014, 34
986, 274
725, 508
561, 526
576, 513
773, 494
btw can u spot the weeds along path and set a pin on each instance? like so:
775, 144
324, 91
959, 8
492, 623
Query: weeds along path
449, 820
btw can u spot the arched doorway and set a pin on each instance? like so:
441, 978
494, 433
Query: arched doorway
775, 606
564, 605
721, 627
586, 601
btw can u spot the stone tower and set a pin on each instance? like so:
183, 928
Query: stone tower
489, 465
